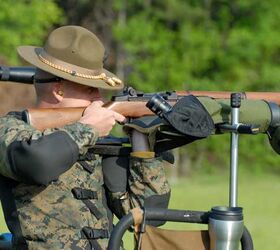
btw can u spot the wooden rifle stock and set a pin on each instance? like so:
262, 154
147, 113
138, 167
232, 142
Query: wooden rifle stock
58, 117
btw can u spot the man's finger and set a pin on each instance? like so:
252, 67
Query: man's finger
118, 117
97, 103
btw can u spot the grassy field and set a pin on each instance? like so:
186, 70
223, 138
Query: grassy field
258, 195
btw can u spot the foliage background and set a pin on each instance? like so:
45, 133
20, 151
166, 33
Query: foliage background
156, 45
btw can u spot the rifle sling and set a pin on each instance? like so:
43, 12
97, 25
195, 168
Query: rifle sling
112, 150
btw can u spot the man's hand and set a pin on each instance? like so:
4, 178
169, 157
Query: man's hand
100, 118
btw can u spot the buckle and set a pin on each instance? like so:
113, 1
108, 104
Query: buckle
90, 233
84, 194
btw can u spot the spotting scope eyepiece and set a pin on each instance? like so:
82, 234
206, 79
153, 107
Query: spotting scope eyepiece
158, 105
17, 74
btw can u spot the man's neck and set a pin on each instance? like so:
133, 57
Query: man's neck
44, 104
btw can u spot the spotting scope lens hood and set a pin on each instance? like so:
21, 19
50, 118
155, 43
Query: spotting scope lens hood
158, 105
17, 74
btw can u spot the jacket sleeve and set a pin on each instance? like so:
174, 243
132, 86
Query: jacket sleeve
35, 157
144, 185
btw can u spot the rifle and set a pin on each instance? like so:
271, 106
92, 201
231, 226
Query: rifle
130, 103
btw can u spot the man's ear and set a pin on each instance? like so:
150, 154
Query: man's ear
58, 92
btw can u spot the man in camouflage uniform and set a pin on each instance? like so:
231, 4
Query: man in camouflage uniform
51, 185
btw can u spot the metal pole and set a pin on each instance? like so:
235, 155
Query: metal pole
235, 104
234, 161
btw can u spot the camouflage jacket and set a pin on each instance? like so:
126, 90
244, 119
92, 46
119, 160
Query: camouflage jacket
71, 211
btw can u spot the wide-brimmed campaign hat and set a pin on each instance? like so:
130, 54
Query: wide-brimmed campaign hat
75, 54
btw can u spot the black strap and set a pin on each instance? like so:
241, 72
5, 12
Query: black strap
86, 166
93, 209
91, 233
94, 245
82, 194
87, 157
85, 195
7, 198
111, 150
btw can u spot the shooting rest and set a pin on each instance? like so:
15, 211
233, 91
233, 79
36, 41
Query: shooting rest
193, 240
225, 224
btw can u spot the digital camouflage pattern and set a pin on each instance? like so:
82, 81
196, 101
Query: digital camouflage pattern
146, 179
50, 217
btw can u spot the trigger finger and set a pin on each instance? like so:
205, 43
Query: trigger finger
97, 103
119, 118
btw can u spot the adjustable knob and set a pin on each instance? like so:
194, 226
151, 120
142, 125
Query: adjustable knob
235, 100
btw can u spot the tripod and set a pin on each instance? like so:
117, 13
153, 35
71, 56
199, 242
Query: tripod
225, 223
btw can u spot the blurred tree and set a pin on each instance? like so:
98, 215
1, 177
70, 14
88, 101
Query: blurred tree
205, 44
209, 45
25, 22
171, 44
191, 44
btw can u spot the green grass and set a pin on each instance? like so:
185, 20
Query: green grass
258, 195
3, 227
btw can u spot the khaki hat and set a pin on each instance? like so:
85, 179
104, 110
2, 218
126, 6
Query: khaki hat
75, 54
